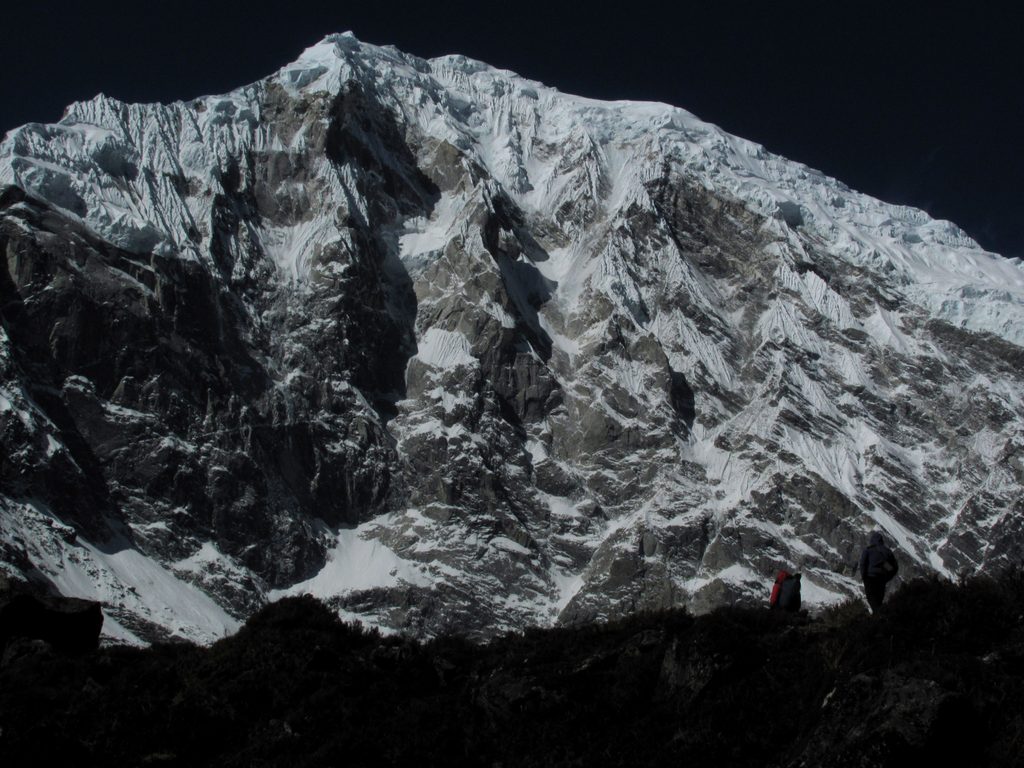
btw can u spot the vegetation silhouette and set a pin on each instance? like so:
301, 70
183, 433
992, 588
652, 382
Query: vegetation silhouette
935, 675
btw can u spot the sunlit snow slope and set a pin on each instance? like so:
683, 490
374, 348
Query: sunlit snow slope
457, 351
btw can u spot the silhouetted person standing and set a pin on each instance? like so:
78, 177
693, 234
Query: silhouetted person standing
877, 567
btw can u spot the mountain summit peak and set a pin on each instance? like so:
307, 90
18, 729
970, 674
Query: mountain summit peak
457, 351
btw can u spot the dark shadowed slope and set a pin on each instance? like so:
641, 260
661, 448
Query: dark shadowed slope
939, 672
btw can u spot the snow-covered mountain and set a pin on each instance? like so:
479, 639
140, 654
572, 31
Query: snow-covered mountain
457, 351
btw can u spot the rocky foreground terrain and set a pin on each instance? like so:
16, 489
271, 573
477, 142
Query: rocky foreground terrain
456, 352
937, 679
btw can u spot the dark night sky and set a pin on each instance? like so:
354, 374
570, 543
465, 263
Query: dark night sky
913, 104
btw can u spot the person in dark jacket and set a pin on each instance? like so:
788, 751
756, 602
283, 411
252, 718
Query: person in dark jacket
877, 568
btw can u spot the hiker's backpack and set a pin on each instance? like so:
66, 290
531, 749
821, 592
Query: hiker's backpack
789, 595
786, 592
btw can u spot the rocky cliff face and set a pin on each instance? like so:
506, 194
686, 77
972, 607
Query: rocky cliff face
456, 351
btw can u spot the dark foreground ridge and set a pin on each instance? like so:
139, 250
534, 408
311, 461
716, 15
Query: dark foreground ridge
936, 676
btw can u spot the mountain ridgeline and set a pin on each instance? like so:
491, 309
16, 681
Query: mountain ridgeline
456, 352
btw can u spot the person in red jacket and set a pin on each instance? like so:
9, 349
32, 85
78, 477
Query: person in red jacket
786, 592
878, 566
